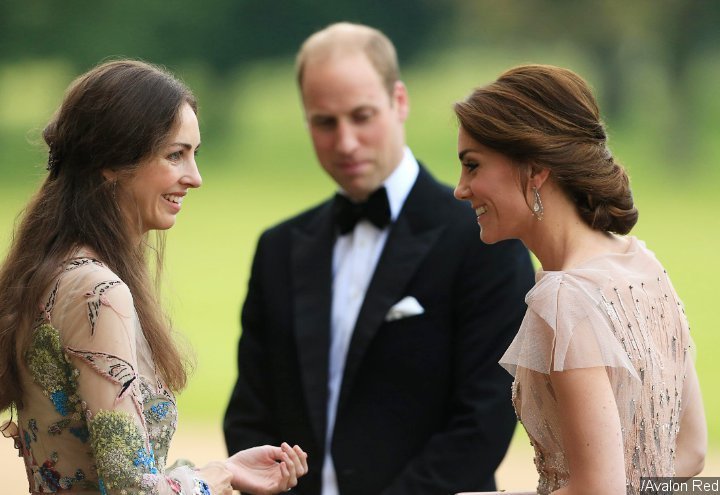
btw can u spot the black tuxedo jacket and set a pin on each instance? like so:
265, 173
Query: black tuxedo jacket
424, 408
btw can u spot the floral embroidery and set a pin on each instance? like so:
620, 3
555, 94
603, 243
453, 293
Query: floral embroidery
116, 440
32, 428
57, 428
159, 411
50, 369
60, 401
145, 459
175, 486
82, 433
47, 477
127, 451
201, 488
50, 475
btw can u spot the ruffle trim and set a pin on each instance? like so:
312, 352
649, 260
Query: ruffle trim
567, 326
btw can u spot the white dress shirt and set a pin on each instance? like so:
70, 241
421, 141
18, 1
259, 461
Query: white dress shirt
355, 257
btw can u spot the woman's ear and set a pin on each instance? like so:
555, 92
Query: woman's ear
538, 175
110, 175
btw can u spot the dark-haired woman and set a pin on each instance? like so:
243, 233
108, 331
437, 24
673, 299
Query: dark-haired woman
86, 354
605, 384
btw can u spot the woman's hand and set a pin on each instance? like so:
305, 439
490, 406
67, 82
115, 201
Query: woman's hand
267, 470
218, 476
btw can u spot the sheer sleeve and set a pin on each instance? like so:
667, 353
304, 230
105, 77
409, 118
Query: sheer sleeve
568, 324
100, 335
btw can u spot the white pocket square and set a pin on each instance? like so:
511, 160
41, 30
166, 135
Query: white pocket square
407, 306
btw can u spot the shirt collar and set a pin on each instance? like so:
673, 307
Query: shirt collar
400, 182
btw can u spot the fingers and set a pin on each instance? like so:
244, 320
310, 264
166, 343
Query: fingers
302, 455
289, 464
285, 475
295, 460
297, 457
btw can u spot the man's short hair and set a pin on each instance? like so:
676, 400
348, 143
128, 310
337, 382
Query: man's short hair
344, 38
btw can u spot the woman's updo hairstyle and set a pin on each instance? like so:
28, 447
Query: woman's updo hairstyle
546, 116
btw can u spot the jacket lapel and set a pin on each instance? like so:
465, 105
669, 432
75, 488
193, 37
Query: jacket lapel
407, 245
312, 251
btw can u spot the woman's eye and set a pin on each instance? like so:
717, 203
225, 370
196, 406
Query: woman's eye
175, 157
470, 166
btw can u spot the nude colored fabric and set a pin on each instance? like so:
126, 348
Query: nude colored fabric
95, 416
619, 311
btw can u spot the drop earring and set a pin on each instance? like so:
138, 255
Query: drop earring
537, 207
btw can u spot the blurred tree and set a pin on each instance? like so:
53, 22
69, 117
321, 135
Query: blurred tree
637, 47
222, 34
614, 34
217, 38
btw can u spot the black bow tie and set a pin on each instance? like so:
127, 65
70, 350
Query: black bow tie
376, 209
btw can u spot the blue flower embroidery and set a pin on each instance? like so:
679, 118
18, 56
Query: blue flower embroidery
60, 401
50, 475
146, 459
82, 433
159, 411
204, 488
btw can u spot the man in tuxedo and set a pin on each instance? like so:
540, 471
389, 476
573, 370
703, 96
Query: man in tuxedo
374, 321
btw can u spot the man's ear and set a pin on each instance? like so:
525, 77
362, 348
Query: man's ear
402, 100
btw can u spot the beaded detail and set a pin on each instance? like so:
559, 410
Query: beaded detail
621, 312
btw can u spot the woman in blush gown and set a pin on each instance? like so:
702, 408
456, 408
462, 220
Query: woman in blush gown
605, 383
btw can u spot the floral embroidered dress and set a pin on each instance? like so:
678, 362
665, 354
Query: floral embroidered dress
619, 311
95, 417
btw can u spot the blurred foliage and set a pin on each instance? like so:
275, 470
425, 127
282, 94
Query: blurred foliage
221, 34
226, 34
655, 66
616, 35
641, 43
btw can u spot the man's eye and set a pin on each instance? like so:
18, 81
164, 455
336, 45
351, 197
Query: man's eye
323, 123
362, 117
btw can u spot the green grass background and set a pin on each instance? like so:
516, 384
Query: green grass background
258, 168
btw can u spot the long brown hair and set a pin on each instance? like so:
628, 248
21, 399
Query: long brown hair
111, 118
541, 115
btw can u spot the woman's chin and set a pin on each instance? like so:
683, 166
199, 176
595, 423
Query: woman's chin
489, 237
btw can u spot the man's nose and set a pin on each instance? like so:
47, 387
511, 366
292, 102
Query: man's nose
347, 140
